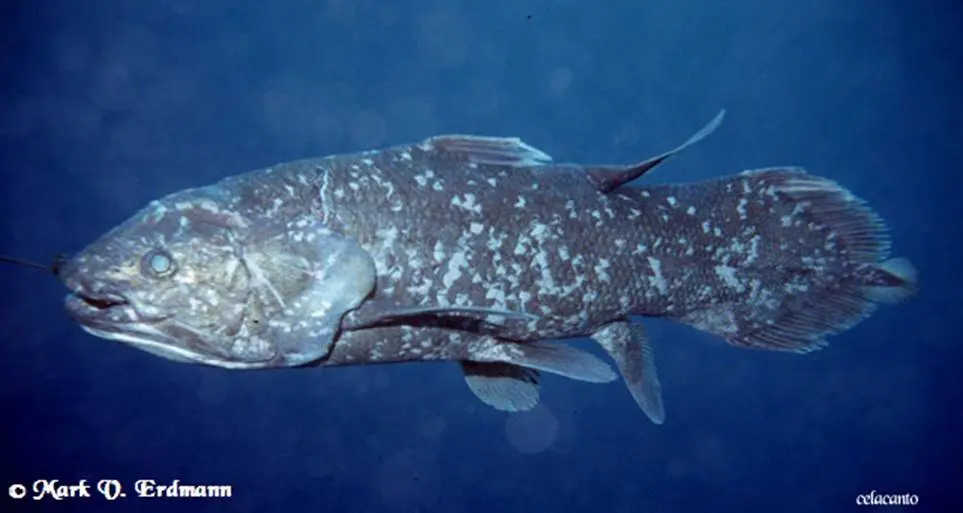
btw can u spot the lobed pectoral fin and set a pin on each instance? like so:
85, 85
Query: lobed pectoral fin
379, 313
628, 344
555, 358
505, 374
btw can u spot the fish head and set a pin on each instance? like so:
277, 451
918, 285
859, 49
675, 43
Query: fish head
195, 277
169, 280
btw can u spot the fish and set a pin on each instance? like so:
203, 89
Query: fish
486, 252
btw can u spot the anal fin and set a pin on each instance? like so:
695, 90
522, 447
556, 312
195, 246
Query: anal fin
628, 344
502, 386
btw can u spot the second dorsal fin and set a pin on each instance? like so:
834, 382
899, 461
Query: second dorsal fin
607, 179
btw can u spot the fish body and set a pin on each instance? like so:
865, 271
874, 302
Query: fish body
479, 250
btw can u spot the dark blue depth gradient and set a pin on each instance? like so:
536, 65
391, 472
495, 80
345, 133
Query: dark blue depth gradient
107, 104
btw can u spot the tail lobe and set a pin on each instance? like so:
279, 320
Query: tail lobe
897, 281
823, 269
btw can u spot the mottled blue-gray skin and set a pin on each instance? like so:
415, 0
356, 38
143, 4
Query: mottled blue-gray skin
478, 250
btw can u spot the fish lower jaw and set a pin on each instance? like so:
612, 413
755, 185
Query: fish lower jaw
145, 341
136, 340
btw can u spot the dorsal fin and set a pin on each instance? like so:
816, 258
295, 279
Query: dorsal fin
607, 179
496, 151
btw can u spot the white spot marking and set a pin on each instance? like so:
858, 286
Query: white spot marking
728, 276
468, 203
455, 264
657, 279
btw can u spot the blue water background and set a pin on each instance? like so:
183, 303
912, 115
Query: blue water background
107, 104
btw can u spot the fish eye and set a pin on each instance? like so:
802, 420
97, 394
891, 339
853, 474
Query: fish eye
158, 263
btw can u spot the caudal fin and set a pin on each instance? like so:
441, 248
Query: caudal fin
807, 259
897, 281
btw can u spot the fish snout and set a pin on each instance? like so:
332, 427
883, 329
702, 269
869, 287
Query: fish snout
81, 281
69, 275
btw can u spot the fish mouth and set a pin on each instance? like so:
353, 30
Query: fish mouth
102, 303
87, 308
104, 309
111, 316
